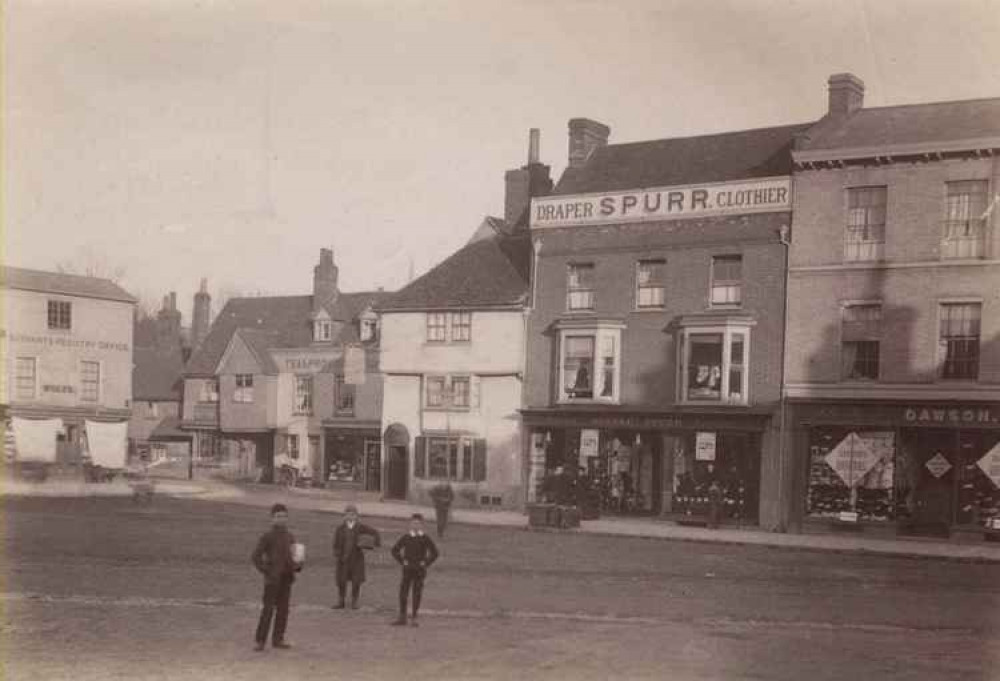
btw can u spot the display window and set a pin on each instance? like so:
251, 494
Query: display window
714, 364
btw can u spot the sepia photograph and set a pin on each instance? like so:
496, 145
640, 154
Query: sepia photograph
479, 340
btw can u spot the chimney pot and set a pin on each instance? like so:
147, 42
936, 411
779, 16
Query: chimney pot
846, 94
533, 144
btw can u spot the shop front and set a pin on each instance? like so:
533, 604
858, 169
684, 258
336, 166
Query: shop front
908, 468
672, 465
352, 456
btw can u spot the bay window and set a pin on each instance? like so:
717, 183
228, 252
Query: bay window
713, 362
589, 362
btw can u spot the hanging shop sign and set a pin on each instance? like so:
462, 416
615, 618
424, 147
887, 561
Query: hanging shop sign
665, 203
938, 465
852, 458
704, 446
589, 441
990, 464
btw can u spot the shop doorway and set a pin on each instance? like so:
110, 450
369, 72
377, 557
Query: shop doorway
931, 462
397, 473
373, 465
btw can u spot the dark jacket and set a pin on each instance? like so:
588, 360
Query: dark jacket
349, 556
415, 552
273, 555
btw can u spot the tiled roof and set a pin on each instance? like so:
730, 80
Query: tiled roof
65, 284
259, 340
169, 430
156, 373
285, 320
490, 272
684, 160
915, 124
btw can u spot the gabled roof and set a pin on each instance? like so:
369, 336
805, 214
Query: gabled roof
764, 152
258, 341
490, 272
274, 322
156, 373
63, 284
937, 123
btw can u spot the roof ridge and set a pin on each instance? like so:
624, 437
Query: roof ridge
729, 133
927, 104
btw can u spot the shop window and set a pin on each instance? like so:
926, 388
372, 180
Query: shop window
461, 326
864, 238
26, 378
727, 280
437, 327
209, 390
714, 364
450, 458
716, 465
959, 340
90, 381
852, 471
292, 446
303, 395
448, 392
322, 330
650, 276
244, 388
964, 226
861, 332
580, 287
209, 445
60, 315
343, 398
589, 364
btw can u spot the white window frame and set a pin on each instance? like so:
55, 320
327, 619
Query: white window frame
322, 330
942, 353
716, 280
460, 319
83, 383
443, 326
864, 250
463, 468
844, 307
575, 294
208, 391
69, 315
341, 388
307, 405
447, 392
368, 329
243, 394
661, 285
956, 246
601, 333
18, 395
727, 330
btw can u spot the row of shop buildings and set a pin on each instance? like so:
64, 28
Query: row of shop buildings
805, 316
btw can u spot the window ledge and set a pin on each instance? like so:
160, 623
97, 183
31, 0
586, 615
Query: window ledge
645, 310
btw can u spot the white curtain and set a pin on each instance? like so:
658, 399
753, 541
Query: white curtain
35, 440
107, 443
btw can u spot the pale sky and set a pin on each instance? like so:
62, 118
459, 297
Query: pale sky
232, 139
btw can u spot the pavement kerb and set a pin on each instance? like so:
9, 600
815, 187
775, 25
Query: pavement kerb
326, 502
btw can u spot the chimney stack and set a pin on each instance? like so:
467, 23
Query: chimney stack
201, 317
585, 136
524, 183
847, 94
324, 280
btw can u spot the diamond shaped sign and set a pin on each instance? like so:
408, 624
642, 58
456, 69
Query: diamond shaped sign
938, 465
990, 464
852, 458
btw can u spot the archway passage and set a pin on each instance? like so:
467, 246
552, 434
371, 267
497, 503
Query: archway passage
397, 447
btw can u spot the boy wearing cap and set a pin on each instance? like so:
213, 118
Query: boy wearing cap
416, 552
351, 537
273, 557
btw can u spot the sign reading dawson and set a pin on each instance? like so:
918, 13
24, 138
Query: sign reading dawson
666, 203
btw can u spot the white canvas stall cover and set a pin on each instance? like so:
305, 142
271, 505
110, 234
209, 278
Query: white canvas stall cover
35, 440
107, 443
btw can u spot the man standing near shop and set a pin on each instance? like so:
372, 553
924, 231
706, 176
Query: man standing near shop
349, 542
416, 552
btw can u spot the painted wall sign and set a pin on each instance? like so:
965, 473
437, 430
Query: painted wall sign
967, 415
852, 458
666, 203
63, 341
990, 464
304, 363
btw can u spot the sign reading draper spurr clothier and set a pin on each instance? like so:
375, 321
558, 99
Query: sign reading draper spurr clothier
665, 203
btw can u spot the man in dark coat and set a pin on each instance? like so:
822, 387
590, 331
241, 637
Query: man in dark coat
273, 558
416, 552
349, 541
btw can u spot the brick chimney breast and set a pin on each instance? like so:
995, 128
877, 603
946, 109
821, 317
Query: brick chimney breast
585, 136
846, 94
324, 280
522, 184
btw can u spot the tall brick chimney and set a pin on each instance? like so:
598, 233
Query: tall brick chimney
168, 323
585, 136
847, 94
324, 280
201, 316
533, 179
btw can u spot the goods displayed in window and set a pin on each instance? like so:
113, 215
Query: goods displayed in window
852, 472
716, 468
705, 367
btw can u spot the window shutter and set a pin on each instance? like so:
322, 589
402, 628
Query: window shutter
479, 459
420, 457
475, 388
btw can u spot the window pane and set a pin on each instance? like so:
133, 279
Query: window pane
437, 458
579, 287
963, 234
727, 275
650, 275
864, 238
705, 367
960, 338
460, 392
453, 459
436, 326
578, 366
25, 378
90, 375
461, 326
435, 391
466, 460
303, 394
607, 366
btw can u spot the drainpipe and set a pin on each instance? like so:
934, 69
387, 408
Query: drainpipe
783, 239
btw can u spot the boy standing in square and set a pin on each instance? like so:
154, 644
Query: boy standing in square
416, 552
273, 558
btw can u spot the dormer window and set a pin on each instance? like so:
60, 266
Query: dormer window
368, 329
322, 330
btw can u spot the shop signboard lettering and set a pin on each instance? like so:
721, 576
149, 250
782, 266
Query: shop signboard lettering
664, 203
958, 416
852, 458
64, 341
62, 389
704, 446
990, 464
306, 363
589, 442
